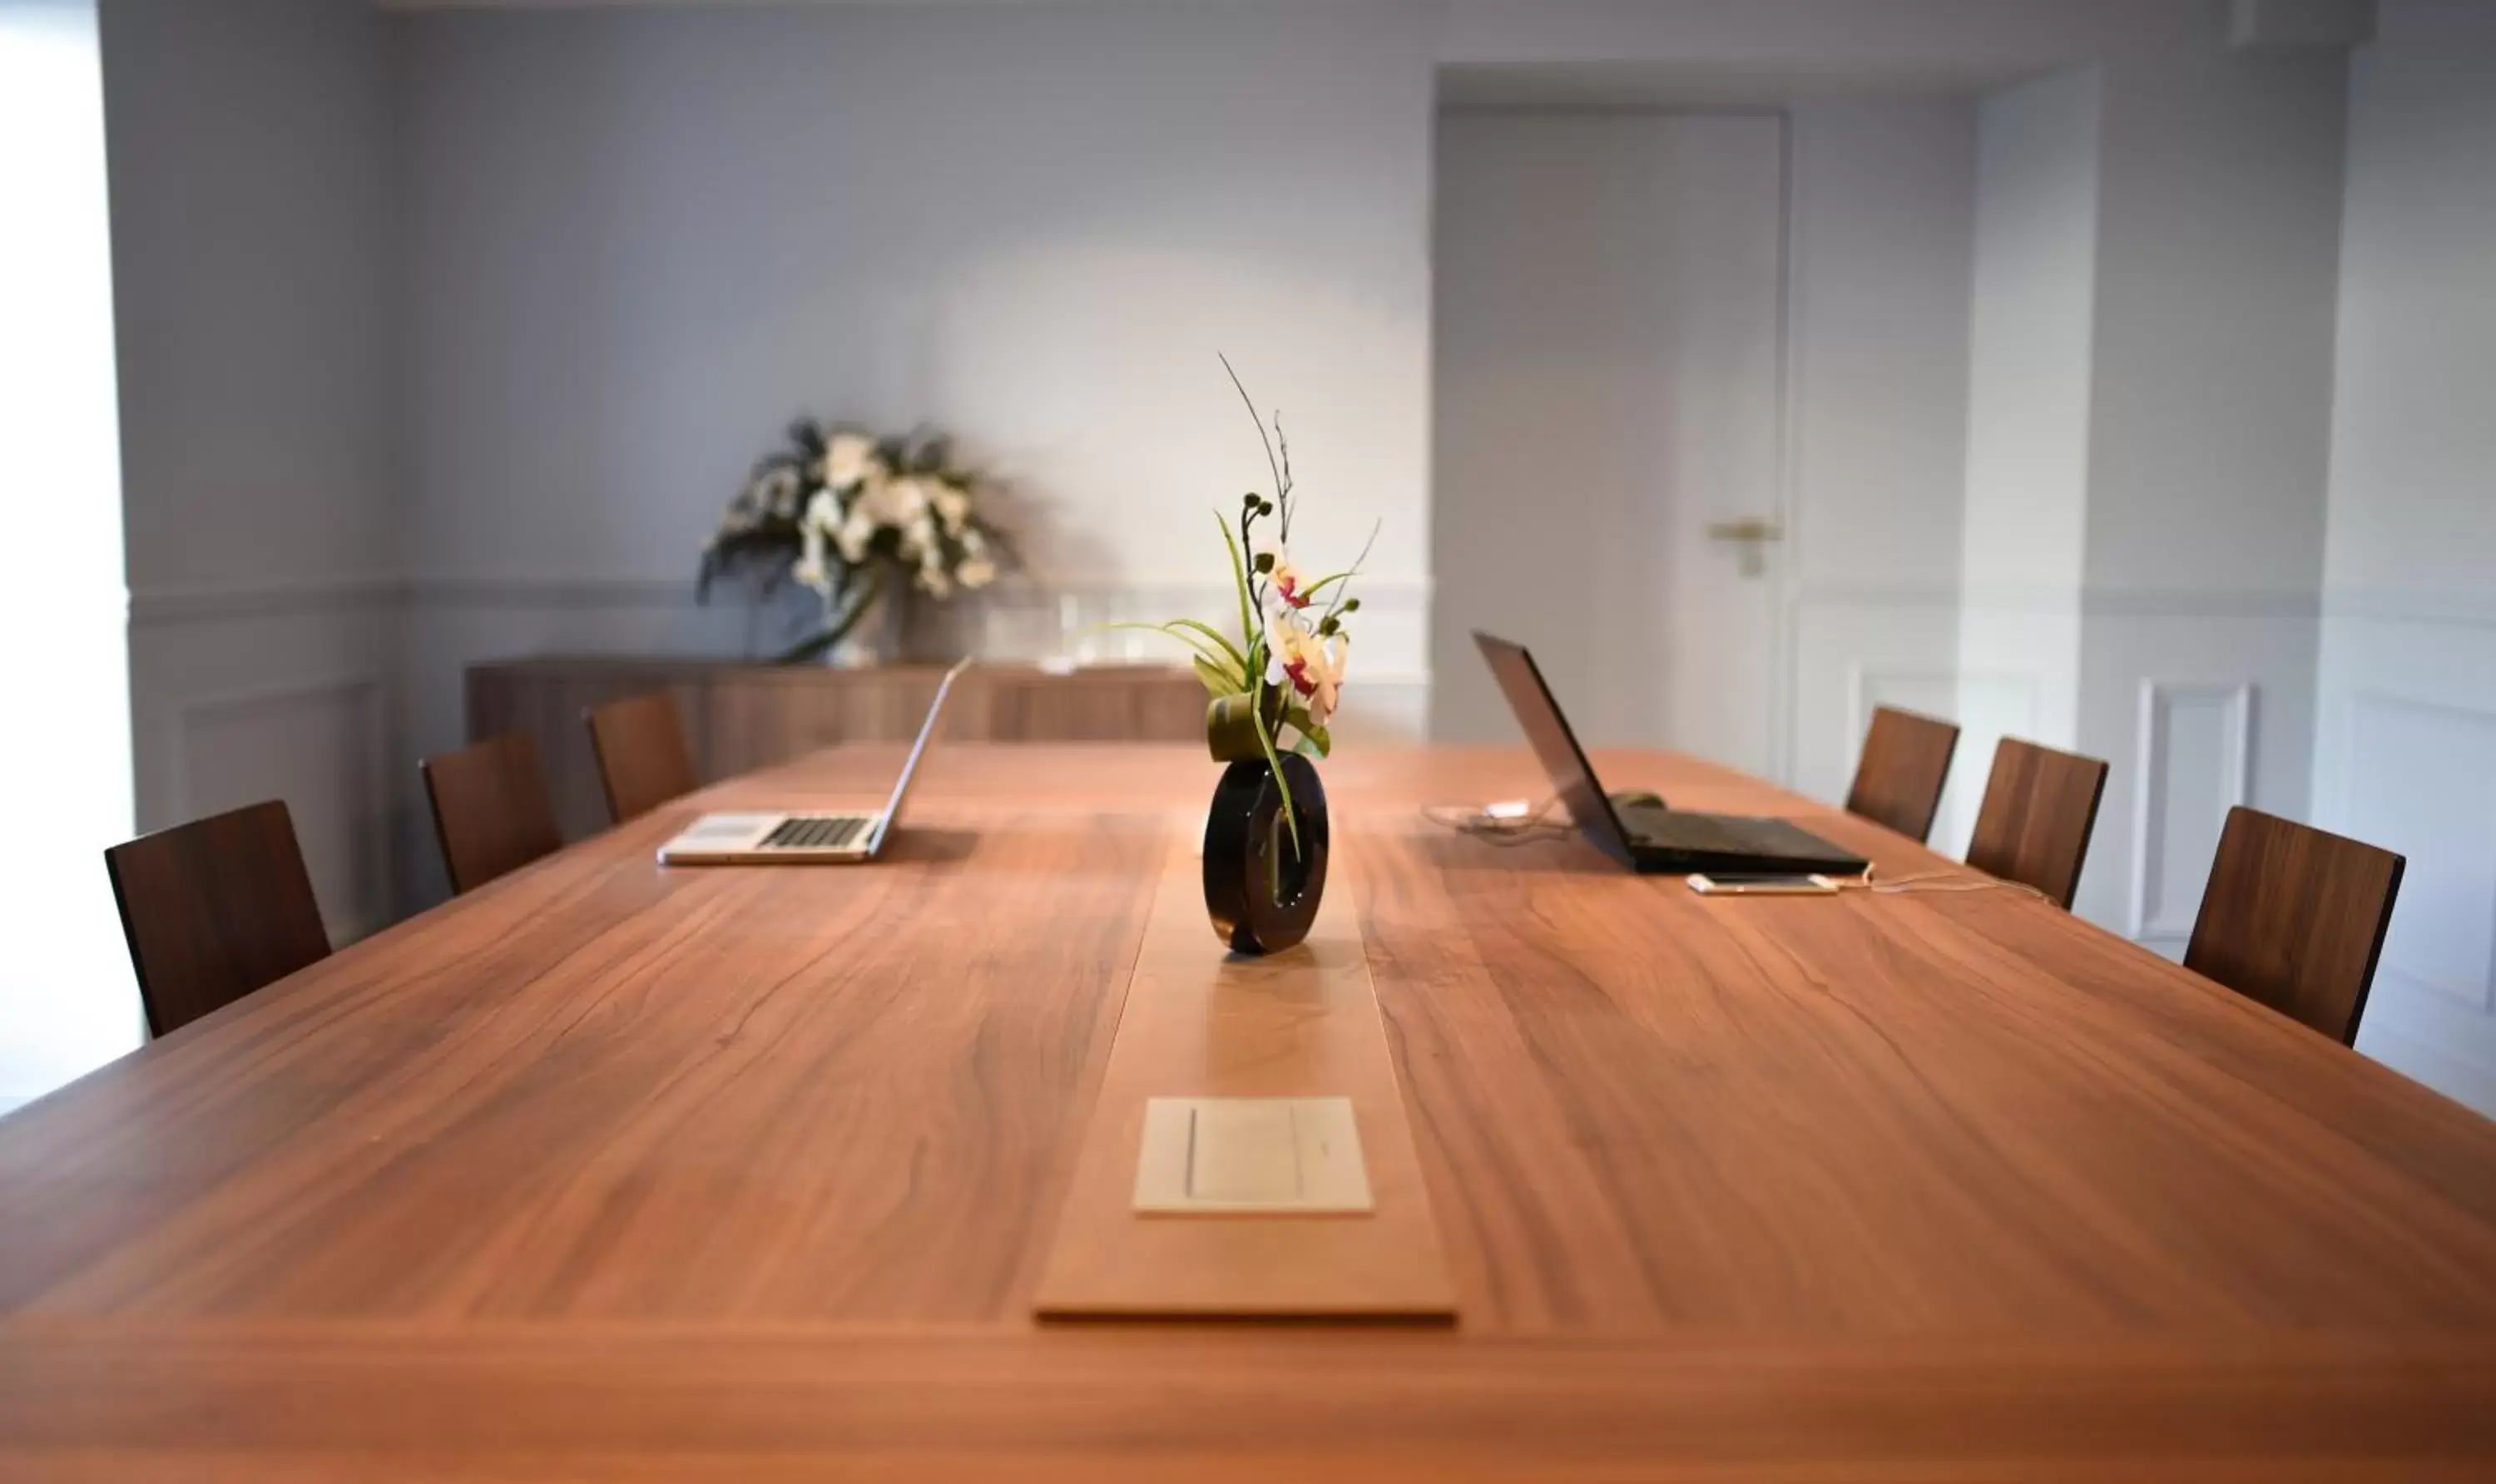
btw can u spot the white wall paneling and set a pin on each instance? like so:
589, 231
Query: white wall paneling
321, 746
2408, 761
2419, 783
2031, 326
1839, 638
1989, 704
284, 690
2405, 753
257, 199
2193, 762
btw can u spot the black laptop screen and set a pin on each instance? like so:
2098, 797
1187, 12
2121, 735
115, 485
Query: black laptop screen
1547, 732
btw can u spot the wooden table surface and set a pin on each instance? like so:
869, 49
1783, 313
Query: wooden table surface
606, 1172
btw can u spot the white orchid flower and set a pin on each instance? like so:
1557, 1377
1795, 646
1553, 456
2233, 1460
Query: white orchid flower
849, 460
810, 569
1286, 585
952, 504
856, 529
933, 581
919, 540
975, 572
1312, 666
903, 501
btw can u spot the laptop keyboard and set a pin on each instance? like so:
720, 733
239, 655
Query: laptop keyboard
816, 832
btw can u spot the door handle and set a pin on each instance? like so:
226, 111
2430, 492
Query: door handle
1750, 531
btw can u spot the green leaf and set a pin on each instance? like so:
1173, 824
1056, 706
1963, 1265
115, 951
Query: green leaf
1216, 683
1221, 655
1209, 632
1282, 784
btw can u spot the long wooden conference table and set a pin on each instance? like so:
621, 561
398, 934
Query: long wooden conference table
608, 1172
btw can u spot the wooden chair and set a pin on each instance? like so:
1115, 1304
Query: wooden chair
642, 761
214, 910
2040, 807
1898, 779
2295, 918
491, 810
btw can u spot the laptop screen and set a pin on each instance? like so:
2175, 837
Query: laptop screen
927, 730
1547, 732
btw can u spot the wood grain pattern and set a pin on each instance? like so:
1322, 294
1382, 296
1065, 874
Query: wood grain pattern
492, 813
213, 909
608, 1171
2295, 918
643, 759
1073, 1406
1198, 1023
740, 716
1899, 777
2040, 807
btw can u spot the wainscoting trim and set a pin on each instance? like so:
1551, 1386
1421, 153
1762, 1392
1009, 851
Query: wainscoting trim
165, 606
362, 692
2159, 700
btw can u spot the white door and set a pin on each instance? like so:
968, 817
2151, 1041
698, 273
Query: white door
1606, 342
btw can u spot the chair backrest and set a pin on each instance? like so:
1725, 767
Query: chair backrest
642, 761
2040, 807
2295, 918
1906, 761
491, 810
214, 910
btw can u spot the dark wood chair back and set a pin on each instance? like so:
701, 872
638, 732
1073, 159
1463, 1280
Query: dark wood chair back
214, 910
1904, 763
642, 761
2295, 918
2040, 807
491, 810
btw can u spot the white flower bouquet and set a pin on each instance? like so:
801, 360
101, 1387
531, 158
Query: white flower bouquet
858, 520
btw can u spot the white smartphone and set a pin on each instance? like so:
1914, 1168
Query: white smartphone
1751, 885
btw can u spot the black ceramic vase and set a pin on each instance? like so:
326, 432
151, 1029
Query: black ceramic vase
1260, 894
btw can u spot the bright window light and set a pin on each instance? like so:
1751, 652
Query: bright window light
67, 998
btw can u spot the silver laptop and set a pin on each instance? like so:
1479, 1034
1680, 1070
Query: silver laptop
805, 839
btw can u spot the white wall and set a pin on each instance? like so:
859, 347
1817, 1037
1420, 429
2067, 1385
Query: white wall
1880, 266
67, 1000
2405, 754
255, 202
644, 240
1869, 388
2031, 350
2218, 263
2156, 261
1608, 372
1932, 43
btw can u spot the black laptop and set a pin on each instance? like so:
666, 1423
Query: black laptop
1649, 837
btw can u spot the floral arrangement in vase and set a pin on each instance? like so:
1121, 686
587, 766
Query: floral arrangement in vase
862, 522
1274, 691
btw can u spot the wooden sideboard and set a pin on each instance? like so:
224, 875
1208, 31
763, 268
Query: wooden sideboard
739, 717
